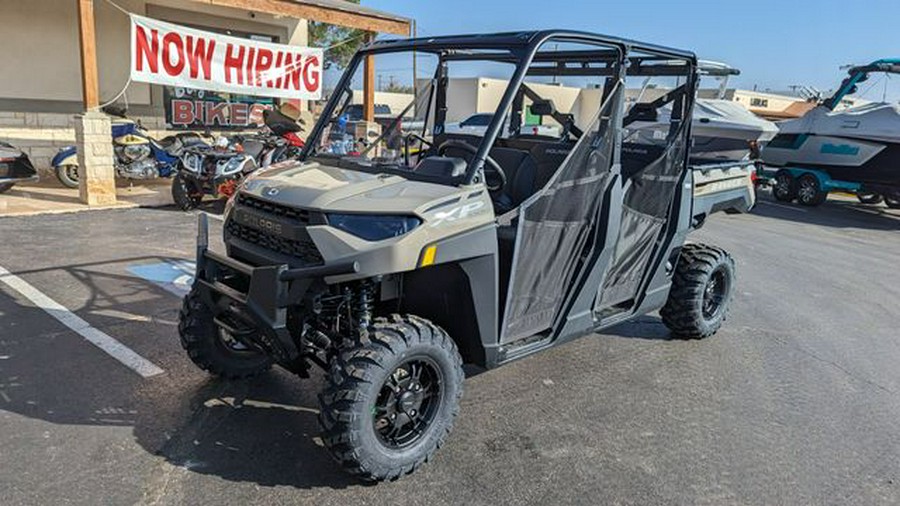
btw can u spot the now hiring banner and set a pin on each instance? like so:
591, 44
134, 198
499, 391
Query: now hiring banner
172, 55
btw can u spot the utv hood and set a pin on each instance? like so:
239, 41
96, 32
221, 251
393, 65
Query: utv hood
311, 185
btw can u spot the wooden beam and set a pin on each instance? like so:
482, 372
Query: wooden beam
88, 41
369, 84
313, 12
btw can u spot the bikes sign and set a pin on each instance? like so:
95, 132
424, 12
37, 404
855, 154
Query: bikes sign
172, 55
200, 109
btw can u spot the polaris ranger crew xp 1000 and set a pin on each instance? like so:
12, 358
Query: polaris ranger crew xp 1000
389, 255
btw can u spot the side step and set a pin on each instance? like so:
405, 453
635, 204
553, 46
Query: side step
523, 347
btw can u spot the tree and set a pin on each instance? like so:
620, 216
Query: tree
346, 41
394, 87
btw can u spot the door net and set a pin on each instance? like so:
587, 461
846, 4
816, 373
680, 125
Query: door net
555, 225
651, 174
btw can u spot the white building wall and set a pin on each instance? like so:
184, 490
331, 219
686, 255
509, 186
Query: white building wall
38, 101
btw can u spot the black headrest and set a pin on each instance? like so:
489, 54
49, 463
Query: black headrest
543, 108
443, 166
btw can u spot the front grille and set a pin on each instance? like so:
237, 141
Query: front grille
304, 249
300, 216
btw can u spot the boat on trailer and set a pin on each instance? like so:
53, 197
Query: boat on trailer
854, 148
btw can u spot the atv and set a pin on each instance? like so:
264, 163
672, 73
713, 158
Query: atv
391, 263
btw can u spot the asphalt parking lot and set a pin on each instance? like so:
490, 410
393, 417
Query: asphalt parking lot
795, 401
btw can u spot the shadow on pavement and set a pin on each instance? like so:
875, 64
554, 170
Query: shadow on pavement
835, 213
650, 328
262, 430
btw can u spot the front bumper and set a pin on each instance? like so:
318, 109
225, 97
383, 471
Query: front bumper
251, 302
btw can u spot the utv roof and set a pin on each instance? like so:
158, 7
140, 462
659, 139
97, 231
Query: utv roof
511, 40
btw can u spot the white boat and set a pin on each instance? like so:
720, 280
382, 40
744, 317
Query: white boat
858, 144
722, 130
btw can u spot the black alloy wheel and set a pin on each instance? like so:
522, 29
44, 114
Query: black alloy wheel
715, 293
809, 191
407, 403
783, 188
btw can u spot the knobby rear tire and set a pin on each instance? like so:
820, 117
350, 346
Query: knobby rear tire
684, 312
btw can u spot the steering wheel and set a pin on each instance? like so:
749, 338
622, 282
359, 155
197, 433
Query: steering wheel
489, 162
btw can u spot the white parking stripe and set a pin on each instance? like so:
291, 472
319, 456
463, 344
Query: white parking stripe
113, 348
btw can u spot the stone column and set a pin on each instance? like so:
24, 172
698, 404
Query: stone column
96, 170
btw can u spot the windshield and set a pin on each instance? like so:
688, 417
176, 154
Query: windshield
434, 107
404, 86
405, 109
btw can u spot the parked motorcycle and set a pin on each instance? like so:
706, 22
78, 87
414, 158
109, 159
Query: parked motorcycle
15, 167
137, 155
215, 171
218, 170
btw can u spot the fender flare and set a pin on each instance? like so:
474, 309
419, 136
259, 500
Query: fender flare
66, 156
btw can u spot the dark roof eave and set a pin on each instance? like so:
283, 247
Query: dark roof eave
351, 8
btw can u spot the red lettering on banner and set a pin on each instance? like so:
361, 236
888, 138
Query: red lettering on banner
292, 71
311, 74
144, 50
216, 113
182, 112
250, 67
178, 56
263, 64
239, 114
172, 39
234, 63
279, 72
200, 54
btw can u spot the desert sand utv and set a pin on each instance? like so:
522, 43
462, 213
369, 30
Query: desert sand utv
392, 262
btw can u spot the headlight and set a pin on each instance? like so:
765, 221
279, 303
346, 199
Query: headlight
235, 164
374, 227
192, 162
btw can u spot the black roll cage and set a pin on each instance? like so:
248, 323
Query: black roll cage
523, 50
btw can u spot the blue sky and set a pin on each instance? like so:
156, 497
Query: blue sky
774, 43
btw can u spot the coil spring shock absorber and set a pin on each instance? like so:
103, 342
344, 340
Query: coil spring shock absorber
364, 306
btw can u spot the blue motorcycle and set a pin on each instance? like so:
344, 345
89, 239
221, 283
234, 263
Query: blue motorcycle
137, 155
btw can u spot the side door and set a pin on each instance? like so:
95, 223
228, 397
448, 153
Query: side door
654, 172
561, 230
